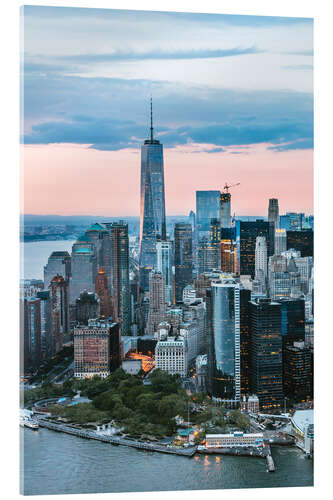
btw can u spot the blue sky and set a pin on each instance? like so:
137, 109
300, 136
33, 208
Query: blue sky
215, 79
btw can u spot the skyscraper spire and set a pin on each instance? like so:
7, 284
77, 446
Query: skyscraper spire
151, 119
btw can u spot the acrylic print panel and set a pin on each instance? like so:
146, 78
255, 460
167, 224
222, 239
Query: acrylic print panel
167, 244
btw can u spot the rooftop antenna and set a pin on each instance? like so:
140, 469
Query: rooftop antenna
151, 119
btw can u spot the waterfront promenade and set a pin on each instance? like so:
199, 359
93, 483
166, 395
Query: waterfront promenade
117, 441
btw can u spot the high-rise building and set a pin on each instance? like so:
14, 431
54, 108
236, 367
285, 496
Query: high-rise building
182, 258
208, 207
301, 241
58, 263
225, 210
157, 305
97, 349
99, 235
228, 256
87, 307
266, 352
273, 212
280, 242
152, 205
292, 320
32, 332
59, 313
245, 339
120, 276
164, 266
102, 290
212, 249
246, 235
84, 269
298, 372
45, 317
261, 262
225, 362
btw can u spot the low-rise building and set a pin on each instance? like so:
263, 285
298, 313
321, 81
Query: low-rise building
234, 440
171, 355
250, 404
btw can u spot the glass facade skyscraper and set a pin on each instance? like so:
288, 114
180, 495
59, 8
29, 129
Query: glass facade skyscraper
225, 363
120, 275
183, 258
164, 266
152, 199
208, 206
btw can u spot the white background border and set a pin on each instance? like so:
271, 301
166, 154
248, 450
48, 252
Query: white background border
9, 109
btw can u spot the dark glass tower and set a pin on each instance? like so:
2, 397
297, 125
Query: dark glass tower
183, 258
246, 235
120, 275
152, 200
266, 352
225, 331
208, 208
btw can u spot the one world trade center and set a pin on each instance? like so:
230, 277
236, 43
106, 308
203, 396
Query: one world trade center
152, 203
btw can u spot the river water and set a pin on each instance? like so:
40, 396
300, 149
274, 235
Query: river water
56, 463
34, 256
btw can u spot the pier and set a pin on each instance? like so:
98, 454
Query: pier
117, 441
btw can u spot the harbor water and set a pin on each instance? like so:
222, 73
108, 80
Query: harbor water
57, 463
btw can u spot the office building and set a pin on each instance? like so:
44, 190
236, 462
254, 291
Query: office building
152, 204
261, 262
246, 236
212, 248
97, 349
99, 235
273, 212
245, 339
225, 200
87, 307
120, 276
298, 372
225, 341
183, 258
301, 241
84, 269
45, 318
157, 305
228, 256
171, 356
32, 332
103, 292
266, 353
59, 313
208, 208
164, 265
59, 263
280, 244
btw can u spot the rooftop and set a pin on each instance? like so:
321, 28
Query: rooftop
302, 418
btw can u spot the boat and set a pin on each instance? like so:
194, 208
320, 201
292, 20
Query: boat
29, 422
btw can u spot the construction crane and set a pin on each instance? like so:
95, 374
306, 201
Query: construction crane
226, 187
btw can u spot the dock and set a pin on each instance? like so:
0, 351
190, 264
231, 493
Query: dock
117, 441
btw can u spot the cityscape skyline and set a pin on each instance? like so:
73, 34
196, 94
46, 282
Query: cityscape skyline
191, 334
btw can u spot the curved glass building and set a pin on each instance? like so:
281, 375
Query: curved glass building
225, 363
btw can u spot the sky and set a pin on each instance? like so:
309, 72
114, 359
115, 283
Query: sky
232, 98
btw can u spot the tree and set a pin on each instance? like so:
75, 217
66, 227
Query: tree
170, 406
